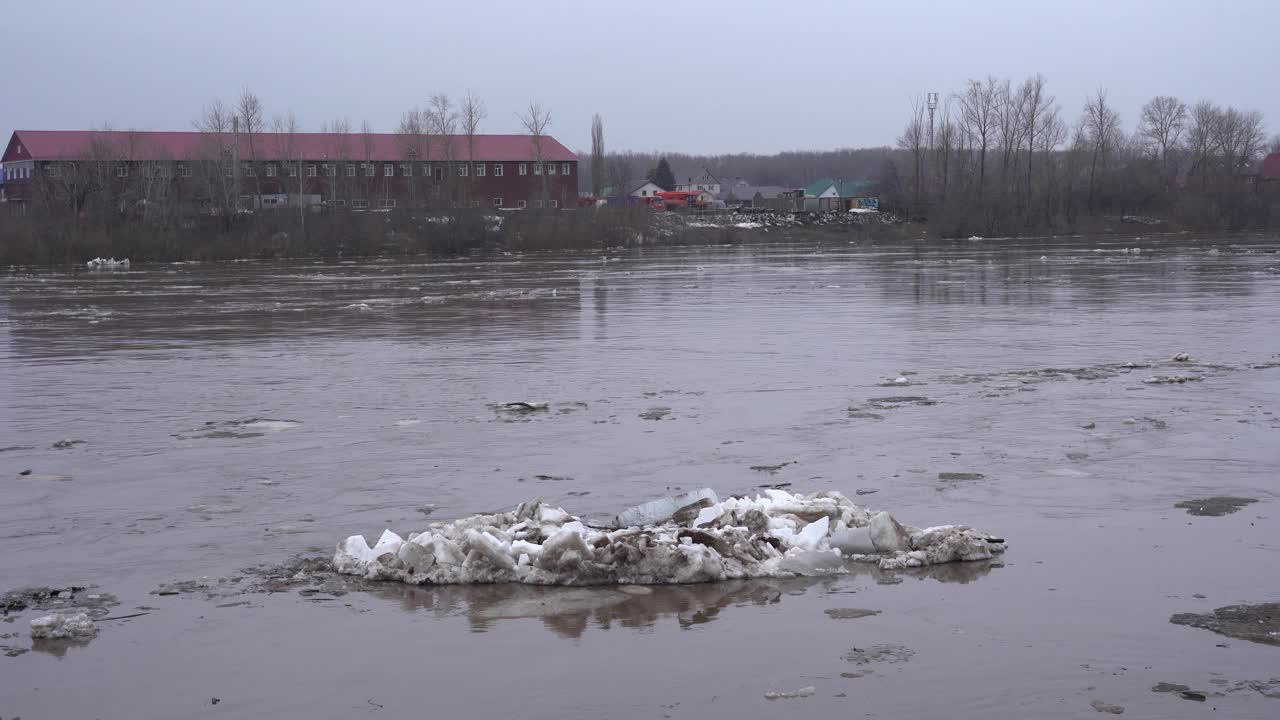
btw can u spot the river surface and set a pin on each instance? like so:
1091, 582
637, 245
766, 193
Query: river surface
246, 413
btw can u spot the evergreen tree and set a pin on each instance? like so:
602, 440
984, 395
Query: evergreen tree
662, 175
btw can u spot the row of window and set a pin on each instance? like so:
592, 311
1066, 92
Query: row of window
20, 173
389, 203
330, 170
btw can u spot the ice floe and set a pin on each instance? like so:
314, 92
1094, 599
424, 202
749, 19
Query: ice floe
108, 263
691, 538
60, 626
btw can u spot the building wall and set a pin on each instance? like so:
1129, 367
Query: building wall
407, 184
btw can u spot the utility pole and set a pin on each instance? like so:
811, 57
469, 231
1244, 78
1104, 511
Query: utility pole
931, 101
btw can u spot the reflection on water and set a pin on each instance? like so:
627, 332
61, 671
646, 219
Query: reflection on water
569, 611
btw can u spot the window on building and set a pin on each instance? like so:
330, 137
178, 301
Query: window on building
351, 171
271, 170
537, 168
122, 171
497, 169
229, 171
293, 170
524, 168
184, 170
388, 170
358, 204
522, 204
462, 170
426, 170
330, 169
368, 169
480, 170
553, 203
339, 203
311, 170
439, 173
387, 203
249, 170
551, 168
406, 169
497, 202
566, 169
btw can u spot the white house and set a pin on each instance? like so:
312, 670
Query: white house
647, 190
692, 179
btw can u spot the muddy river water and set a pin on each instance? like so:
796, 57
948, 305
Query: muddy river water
243, 414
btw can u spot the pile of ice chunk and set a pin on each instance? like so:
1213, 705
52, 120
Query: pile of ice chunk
691, 538
63, 626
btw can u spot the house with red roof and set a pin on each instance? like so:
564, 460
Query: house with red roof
247, 171
1269, 170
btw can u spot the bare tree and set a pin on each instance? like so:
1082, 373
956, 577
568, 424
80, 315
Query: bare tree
977, 120
1239, 137
442, 120
1163, 120
250, 114
338, 148
367, 169
1010, 112
412, 141
287, 129
216, 161
536, 120
597, 155
619, 170
1052, 133
1102, 132
914, 139
1036, 104
943, 148
472, 113
1202, 129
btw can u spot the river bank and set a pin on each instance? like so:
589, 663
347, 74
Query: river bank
279, 235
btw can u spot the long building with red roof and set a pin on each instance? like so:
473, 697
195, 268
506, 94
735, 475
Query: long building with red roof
353, 170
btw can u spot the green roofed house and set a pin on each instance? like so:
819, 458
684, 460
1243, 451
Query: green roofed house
827, 194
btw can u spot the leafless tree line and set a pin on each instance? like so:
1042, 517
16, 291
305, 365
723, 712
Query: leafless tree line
237, 137
1000, 157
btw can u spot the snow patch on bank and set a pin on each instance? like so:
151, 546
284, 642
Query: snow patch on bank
777, 534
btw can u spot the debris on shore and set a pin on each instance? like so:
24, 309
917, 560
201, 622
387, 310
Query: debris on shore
1170, 379
775, 534
1107, 707
1215, 506
524, 406
1255, 623
65, 599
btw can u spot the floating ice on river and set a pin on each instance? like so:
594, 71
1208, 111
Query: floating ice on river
63, 626
777, 534
98, 262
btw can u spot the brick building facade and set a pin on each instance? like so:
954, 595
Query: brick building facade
351, 170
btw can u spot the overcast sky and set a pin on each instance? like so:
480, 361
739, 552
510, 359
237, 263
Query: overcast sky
695, 76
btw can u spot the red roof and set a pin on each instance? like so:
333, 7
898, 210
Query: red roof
147, 145
1270, 169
